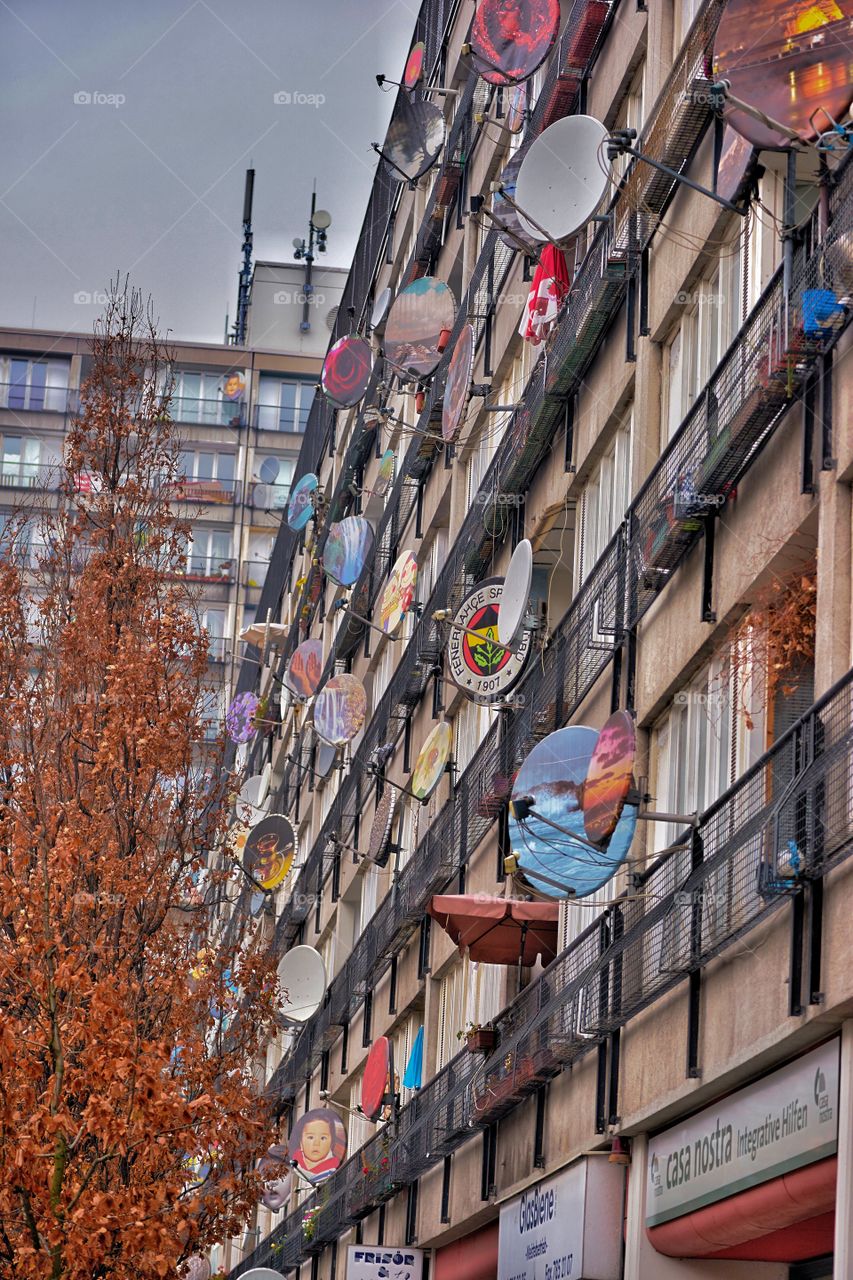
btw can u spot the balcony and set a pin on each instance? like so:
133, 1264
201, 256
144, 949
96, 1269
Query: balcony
20, 397
207, 569
209, 413
254, 574
689, 908
203, 492
29, 475
267, 497
273, 417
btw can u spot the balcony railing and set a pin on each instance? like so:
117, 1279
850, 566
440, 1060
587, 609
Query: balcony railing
204, 492
689, 907
271, 417
24, 398
208, 412
745, 399
207, 569
267, 497
29, 475
254, 573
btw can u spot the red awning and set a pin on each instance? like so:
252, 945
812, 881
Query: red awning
498, 930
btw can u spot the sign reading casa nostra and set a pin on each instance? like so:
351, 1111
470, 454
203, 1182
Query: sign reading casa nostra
482, 668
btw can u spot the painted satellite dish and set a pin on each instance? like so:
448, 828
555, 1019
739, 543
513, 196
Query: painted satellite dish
504, 215
340, 709
275, 1168
348, 548
552, 778
380, 829
432, 761
787, 58
300, 506
399, 595
374, 1082
305, 668
478, 663
609, 777
511, 38
458, 383
422, 312
319, 1143
346, 371
415, 137
414, 69
385, 474
270, 849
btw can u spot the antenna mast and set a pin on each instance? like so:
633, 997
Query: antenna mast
245, 278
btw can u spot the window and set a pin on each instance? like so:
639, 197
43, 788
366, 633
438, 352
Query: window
284, 404
470, 727
207, 475
684, 11
19, 466
209, 554
631, 115
201, 397
369, 896
470, 992
35, 384
214, 622
273, 477
604, 499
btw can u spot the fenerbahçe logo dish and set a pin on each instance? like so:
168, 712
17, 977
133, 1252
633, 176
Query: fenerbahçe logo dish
478, 663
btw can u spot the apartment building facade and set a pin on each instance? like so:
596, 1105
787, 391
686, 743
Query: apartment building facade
672, 1094
240, 415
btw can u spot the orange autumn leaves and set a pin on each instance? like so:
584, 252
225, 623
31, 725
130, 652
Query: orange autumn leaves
114, 1073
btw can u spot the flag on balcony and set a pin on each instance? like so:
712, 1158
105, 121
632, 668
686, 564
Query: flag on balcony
548, 290
413, 1078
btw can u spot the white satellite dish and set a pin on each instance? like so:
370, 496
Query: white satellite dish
255, 790
562, 179
380, 308
302, 977
262, 1273
325, 758
515, 594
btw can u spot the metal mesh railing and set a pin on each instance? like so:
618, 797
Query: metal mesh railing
677, 919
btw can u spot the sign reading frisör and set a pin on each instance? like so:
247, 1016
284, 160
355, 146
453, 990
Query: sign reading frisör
566, 1228
370, 1262
780, 1123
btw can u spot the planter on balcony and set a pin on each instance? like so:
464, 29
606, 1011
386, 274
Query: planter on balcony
480, 1040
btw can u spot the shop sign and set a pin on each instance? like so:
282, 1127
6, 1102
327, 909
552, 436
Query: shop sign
785, 1121
366, 1262
566, 1228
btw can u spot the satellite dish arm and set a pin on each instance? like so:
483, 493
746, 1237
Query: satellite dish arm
619, 143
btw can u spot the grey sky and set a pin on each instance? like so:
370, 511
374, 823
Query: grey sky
154, 185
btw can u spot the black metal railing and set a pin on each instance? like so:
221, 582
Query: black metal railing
675, 920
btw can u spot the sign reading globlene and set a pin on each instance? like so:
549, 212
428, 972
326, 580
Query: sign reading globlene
372, 1263
567, 1228
781, 1123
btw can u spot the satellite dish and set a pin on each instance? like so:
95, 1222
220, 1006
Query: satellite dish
516, 108
380, 830
302, 978
422, 313
559, 862
300, 506
270, 849
275, 1168
305, 669
609, 777
331, 317
432, 761
477, 662
415, 137
414, 69
348, 548
504, 215
264, 496
509, 41
196, 1268
340, 710
346, 371
562, 180
788, 62
515, 594
380, 308
262, 1273
458, 383
255, 789
321, 219
385, 474
399, 594
374, 1082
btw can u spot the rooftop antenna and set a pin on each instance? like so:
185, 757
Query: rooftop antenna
245, 278
319, 222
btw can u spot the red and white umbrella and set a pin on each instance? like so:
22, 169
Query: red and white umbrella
547, 291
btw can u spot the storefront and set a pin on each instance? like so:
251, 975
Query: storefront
753, 1177
568, 1227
